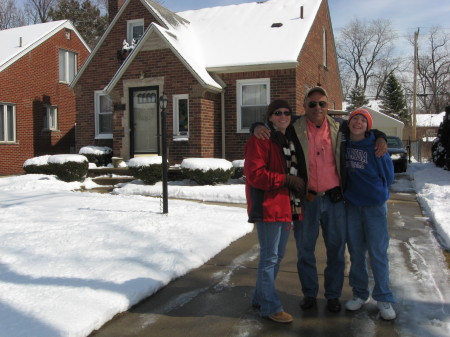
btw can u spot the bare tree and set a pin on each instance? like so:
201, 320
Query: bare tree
37, 10
10, 15
434, 71
365, 51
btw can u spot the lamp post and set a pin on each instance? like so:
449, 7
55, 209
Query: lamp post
163, 106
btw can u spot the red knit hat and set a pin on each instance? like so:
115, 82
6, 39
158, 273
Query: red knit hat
366, 114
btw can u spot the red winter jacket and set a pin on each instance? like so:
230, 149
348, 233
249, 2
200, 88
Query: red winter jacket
265, 171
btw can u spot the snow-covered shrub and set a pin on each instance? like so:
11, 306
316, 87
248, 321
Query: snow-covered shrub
147, 169
37, 165
207, 171
68, 167
99, 155
238, 169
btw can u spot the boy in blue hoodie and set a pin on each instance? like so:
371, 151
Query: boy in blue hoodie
367, 190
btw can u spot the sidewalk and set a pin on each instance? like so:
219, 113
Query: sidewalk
214, 300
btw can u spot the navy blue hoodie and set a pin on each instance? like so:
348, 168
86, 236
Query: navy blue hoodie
368, 176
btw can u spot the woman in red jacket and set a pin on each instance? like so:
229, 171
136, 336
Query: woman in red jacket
273, 190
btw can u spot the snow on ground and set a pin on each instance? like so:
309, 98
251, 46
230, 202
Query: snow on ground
70, 261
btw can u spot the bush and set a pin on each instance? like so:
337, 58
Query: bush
37, 165
100, 156
207, 171
238, 169
147, 169
72, 167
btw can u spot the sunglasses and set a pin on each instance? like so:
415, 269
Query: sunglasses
279, 113
313, 104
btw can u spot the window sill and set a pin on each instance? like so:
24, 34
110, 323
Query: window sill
181, 139
108, 136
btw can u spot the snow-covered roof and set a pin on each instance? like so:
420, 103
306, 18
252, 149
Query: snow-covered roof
219, 38
242, 35
433, 120
17, 42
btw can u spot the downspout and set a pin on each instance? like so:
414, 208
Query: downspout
222, 115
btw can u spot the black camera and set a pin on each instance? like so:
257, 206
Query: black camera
335, 194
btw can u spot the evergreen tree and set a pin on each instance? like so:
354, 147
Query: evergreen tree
357, 98
393, 101
85, 16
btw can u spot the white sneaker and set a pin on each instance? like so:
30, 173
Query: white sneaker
355, 303
386, 310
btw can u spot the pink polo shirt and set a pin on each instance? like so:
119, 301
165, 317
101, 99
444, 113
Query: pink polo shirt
321, 162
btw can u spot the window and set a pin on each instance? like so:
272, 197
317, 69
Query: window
252, 100
181, 116
135, 30
67, 65
7, 123
51, 118
103, 115
324, 49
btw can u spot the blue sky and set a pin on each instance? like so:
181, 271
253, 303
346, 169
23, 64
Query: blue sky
406, 15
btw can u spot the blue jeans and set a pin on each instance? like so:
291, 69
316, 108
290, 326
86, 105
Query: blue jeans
331, 217
273, 237
367, 231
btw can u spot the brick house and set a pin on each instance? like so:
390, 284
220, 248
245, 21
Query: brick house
219, 68
37, 106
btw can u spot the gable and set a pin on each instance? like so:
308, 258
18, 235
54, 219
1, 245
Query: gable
17, 42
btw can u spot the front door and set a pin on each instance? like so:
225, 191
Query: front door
144, 120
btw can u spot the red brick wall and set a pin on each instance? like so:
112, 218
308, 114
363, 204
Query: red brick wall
30, 83
310, 70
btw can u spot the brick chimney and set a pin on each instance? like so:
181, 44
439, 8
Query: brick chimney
113, 8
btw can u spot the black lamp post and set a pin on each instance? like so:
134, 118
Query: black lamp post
163, 105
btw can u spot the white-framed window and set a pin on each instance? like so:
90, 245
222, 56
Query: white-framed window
324, 46
103, 115
252, 100
67, 66
7, 123
135, 30
51, 117
181, 116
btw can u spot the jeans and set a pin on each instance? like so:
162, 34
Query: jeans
367, 231
273, 237
331, 217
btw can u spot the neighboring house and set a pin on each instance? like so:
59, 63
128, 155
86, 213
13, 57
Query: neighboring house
219, 67
389, 125
427, 126
37, 106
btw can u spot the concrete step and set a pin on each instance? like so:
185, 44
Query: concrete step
102, 171
111, 181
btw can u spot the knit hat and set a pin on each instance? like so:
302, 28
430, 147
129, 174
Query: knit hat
277, 104
364, 113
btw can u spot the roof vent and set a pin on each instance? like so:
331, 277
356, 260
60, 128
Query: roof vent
301, 12
276, 25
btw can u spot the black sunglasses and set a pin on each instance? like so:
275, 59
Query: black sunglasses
279, 113
313, 104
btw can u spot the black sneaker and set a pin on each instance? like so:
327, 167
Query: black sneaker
308, 303
334, 305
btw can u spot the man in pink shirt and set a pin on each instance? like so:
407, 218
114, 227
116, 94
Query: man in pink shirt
320, 138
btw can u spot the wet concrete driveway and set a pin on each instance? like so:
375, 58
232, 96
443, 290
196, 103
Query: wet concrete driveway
214, 300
